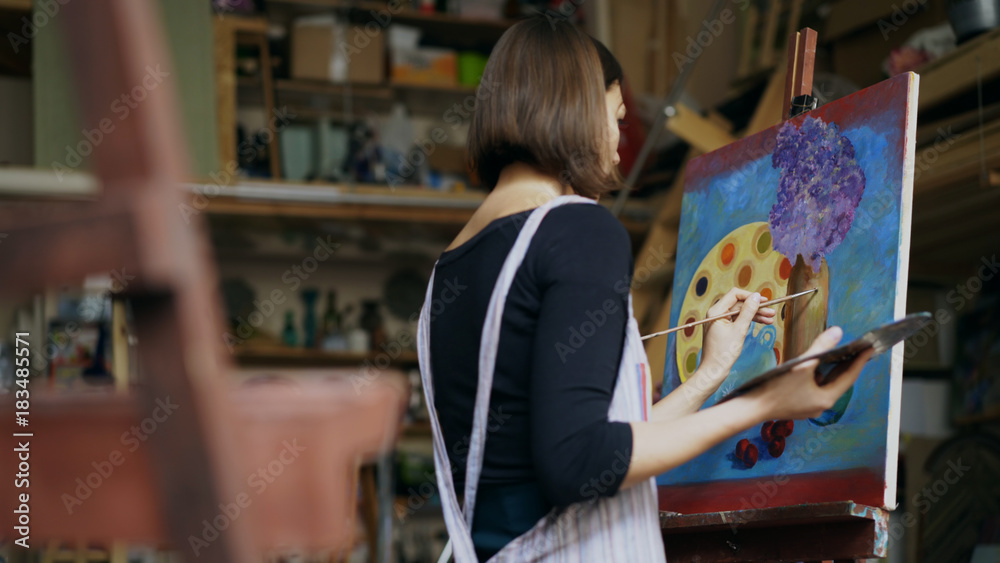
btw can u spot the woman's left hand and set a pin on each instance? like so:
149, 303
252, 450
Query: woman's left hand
723, 339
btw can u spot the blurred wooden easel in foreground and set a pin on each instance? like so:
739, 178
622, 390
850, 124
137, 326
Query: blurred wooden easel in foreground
222, 473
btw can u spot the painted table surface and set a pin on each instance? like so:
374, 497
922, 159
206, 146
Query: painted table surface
831, 192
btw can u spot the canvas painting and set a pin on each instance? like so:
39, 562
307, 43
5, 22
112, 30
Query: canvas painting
819, 201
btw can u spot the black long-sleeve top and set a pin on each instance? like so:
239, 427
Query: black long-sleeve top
561, 342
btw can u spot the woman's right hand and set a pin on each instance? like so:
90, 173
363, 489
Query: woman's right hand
796, 395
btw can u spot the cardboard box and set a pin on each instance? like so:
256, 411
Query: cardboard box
366, 63
427, 66
324, 48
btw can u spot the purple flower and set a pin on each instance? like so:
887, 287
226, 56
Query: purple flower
821, 185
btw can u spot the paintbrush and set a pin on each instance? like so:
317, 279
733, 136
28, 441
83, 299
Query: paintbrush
729, 314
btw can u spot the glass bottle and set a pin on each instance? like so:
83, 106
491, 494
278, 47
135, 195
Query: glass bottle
371, 321
331, 317
309, 339
288, 335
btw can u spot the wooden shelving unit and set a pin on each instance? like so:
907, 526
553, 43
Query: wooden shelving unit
943, 78
273, 356
956, 200
311, 99
988, 417
367, 203
407, 16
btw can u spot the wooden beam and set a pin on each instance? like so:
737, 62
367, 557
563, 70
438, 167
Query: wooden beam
267, 85
940, 167
663, 70
119, 345
16, 5
767, 49
658, 252
768, 110
795, 13
225, 89
959, 70
955, 125
747, 61
699, 132
848, 15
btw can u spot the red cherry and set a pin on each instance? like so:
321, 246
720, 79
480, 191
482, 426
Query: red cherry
767, 431
783, 428
776, 447
741, 448
750, 456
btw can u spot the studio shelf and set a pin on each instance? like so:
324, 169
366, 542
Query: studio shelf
280, 356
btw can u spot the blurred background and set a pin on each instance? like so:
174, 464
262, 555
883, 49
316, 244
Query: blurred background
326, 144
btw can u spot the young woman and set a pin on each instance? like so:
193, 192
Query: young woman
531, 360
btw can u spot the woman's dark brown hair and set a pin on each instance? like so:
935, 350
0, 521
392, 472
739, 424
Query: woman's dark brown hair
545, 107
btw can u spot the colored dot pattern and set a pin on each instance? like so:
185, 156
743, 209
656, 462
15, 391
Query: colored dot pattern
728, 252
784, 268
701, 286
743, 278
689, 331
743, 258
764, 243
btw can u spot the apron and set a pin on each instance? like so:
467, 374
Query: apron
623, 527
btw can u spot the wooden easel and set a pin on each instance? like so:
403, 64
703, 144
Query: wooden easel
837, 531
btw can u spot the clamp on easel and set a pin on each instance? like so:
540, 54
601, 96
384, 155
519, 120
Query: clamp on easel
799, 76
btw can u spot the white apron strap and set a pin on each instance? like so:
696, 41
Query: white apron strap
459, 528
459, 533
